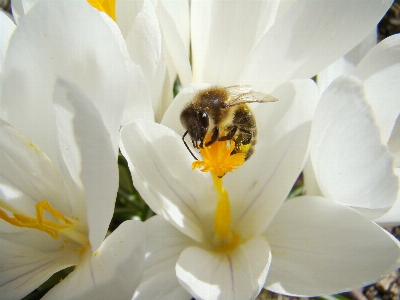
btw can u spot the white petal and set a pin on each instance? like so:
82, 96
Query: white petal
392, 217
161, 172
310, 181
138, 102
351, 164
54, 40
22, 269
113, 272
394, 143
380, 71
321, 248
27, 175
307, 38
175, 45
164, 244
126, 12
20, 8
99, 170
260, 186
347, 63
223, 33
213, 275
7, 28
179, 11
145, 46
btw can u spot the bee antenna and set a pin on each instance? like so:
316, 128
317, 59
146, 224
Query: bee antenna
183, 139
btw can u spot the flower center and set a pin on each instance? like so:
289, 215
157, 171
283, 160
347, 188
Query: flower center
64, 226
107, 6
219, 161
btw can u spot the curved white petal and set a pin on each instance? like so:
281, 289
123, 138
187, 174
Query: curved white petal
394, 143
146, 48
258, 188
126, 12
161, 172
310, 181
112, 272
76, 114
27, 175
351, 164
20, 8
138, 102
22, 269
223, 33
306, 38
347, 63
380, 71
392, 217
320, 247
164, 244
53, 40
7, 28
179, 12
175, 45
213, 275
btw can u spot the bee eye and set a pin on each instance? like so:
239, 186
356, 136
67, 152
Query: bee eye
202, 116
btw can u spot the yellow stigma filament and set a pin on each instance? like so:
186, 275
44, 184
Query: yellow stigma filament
226, 239
107, 6
64, 226
218, 159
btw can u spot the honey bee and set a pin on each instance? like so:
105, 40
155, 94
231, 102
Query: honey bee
223, 114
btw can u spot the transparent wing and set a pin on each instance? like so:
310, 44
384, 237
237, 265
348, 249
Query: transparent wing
241, 94
237, 90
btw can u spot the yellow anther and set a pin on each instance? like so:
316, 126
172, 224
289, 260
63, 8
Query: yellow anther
50, 227
64, 225
107, 6
218, 159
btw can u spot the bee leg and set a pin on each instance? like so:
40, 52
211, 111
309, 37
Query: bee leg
214, 137
230, 134
187, 147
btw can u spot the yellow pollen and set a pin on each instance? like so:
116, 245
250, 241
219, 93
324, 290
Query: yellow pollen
107, 6
64, 225
218, 159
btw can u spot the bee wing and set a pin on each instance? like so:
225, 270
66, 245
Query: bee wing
250, 97
237, 90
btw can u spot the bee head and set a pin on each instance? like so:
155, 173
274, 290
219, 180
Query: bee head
196, 122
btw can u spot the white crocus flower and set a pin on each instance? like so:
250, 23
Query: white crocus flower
144, 25
63, 89
219, 254
258, 241
355, 137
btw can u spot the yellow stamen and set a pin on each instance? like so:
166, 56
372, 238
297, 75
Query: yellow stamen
218, 159
107, 6
64, 226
